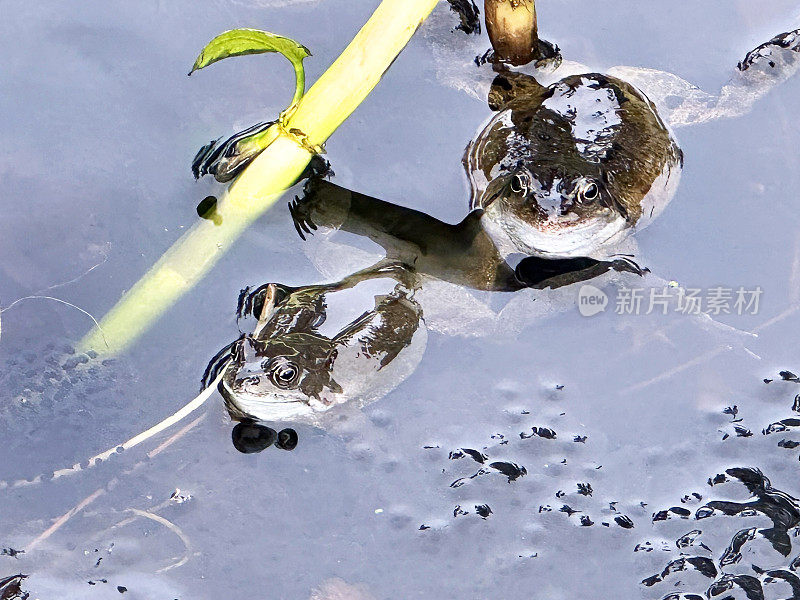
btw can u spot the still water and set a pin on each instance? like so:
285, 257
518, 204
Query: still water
533, 452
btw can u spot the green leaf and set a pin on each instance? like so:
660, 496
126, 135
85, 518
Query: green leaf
239, 42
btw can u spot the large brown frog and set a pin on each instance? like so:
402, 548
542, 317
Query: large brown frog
568, 169
311, 350
558, 174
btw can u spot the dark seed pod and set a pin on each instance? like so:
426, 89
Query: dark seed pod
249, 438
287, 439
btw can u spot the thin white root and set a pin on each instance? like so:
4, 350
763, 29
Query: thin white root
84, 503
59, 523
707, 356
131, 443
181, 432
79, 277
174, 529
18, 300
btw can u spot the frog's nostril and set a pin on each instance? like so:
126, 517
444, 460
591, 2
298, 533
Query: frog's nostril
244, 381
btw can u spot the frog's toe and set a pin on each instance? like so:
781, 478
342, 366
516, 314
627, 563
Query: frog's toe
301, 217
628, 265
225, 160
549, 56
318, 168
468, 14
486, 57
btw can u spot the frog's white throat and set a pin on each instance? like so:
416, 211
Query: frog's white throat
589, 237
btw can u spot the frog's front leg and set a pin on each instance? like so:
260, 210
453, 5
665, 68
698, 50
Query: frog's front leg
541, 273
509, 86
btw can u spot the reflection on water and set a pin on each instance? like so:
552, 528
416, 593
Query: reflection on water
514, 485
729, 579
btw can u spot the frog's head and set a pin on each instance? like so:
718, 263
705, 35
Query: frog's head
565, 170
288, 370
287, 378
538, 210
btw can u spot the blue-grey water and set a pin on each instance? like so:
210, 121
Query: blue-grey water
99, 126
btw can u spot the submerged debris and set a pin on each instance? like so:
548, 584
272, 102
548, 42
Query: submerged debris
664, 515
781, 508
789, 376
701, 564
510, 470
688, 539
469, 15
542, 432
10, 588
568, 509
782, 425
473, 454
624, 521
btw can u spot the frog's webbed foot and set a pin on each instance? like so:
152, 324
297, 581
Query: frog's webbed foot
301, 207
315, 192
300, 210
769, 55
547, 57
469, 15
541, 273
318, 168
225, 160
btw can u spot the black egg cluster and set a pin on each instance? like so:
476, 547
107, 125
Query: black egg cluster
250, 437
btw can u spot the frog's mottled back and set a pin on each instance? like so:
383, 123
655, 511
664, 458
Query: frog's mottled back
567, 169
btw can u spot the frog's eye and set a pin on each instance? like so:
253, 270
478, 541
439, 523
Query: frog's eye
589, 192
284, 374
520, 182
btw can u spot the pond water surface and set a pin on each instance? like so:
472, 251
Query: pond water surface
534, 453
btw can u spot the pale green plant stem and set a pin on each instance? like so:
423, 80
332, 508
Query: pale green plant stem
305, 127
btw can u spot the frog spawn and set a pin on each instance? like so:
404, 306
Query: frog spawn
737, 428
477, 476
